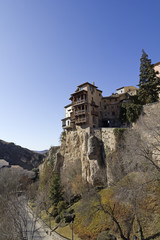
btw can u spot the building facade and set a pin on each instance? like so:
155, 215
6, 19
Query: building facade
157, 69
66, 122
86, 105
89, 108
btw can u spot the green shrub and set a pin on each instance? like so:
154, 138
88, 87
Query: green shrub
61, 206
57, 219
54, 212
118, 132
63, 136
130, 112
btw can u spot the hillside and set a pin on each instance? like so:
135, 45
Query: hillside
122, 162
16, 155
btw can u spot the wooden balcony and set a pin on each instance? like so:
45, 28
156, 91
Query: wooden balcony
82, 101
80, 112
81, 120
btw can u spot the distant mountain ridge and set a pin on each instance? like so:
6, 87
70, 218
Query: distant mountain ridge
41, 152
17, 155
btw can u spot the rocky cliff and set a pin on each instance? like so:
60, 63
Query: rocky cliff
104, 156
16, 155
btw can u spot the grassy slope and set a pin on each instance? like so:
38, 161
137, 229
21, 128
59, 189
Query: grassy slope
90, 221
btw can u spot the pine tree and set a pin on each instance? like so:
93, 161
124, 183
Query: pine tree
149, 83
55, 189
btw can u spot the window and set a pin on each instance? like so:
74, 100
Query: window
91, 89
105, 107
113, 113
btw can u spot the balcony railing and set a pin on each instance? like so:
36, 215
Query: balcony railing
80, 112
81, 101
81, 120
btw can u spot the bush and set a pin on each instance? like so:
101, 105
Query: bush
57, 219
118, 132
61, 206
130, 112
62, 136
54, 212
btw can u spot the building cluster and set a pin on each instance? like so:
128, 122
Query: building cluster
89, 108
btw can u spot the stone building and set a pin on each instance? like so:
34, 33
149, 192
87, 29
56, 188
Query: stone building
89, 108
66, 122
131, 90
157, 69
86, 106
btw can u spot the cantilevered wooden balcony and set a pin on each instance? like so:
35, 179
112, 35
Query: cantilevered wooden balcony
81, 120
80, 112
79, 102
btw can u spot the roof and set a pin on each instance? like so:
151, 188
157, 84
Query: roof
99, 90
156, 64
76, 93
69, 105
126, 87
112, 96
65, 118
87, 83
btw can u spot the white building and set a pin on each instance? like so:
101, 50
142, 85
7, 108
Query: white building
66, 122
157, 68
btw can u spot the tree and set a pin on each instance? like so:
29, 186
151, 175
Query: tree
148, 127
55, 189
16, 221
130, 112
149, 83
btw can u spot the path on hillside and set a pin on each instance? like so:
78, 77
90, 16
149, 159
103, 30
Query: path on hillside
42, 231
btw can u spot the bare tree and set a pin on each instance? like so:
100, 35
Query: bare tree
18, 221
148, 127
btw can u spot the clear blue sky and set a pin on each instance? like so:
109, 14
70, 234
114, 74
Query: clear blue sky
48, 47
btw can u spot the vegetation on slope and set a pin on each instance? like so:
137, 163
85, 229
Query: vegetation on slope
123, 210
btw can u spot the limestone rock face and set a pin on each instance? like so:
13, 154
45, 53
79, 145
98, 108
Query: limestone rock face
101, 158
86, 151
93, 147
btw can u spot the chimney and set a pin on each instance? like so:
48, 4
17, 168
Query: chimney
93, 83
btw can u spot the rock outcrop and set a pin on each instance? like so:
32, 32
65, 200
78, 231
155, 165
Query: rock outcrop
103, 157
81, 149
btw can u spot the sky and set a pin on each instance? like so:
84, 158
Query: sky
49, 47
